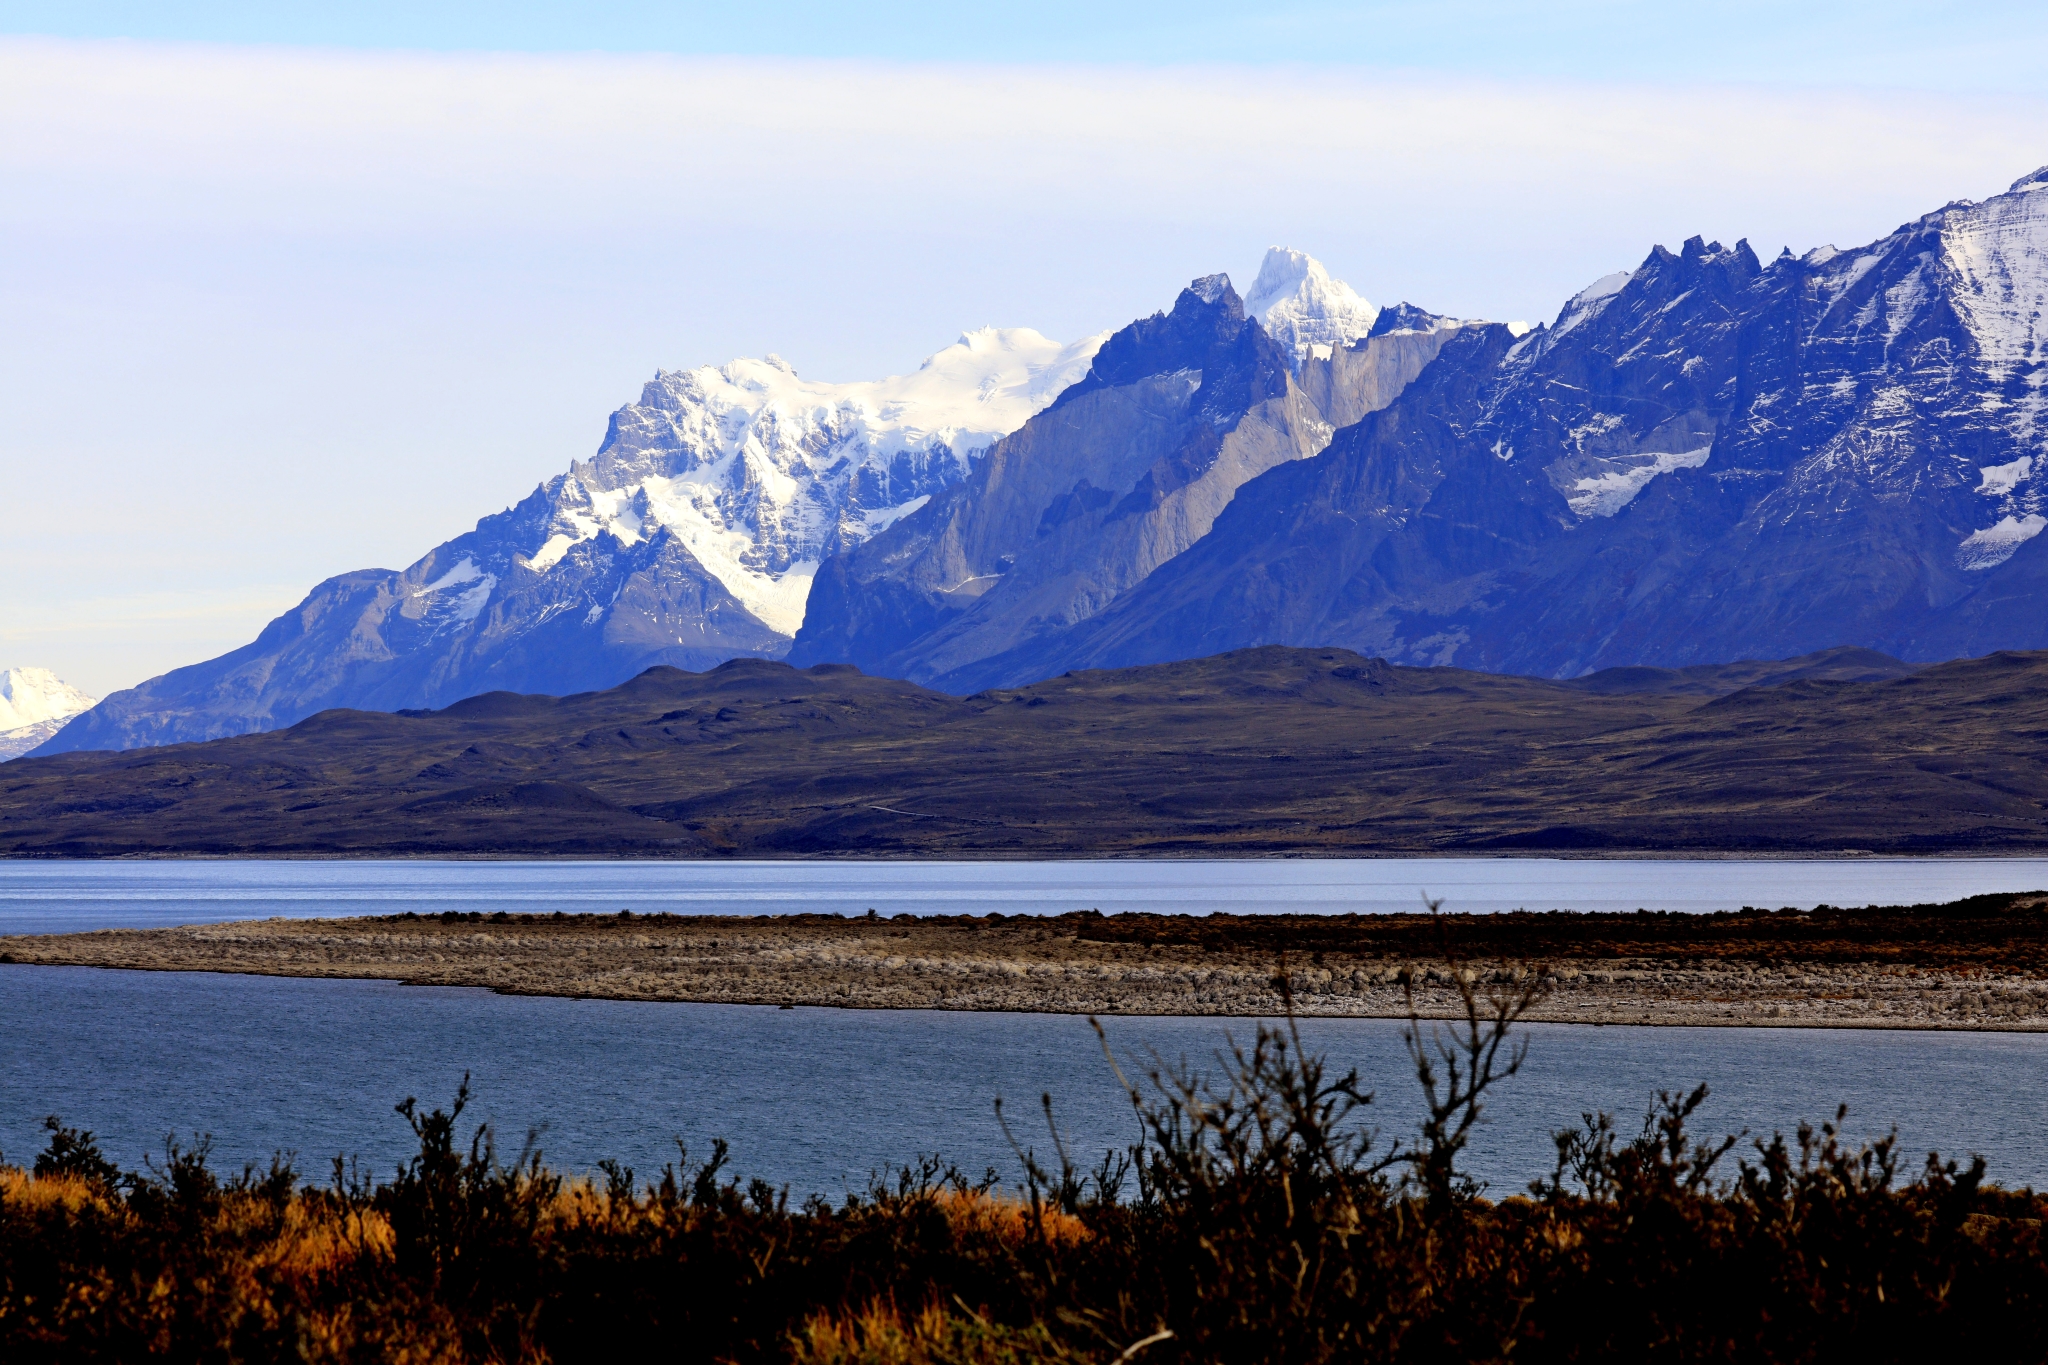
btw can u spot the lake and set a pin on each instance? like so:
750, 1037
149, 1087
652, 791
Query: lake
42, 897
817, 1098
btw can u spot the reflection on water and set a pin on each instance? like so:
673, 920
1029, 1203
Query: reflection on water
816, 1098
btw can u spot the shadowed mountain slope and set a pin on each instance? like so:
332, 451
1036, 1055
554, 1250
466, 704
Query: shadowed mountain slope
1706, 458
1260, 751
1130, 467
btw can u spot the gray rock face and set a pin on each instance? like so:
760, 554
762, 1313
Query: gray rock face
1705, 459
1126, 471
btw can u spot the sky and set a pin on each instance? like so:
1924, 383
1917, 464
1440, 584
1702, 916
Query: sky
291, 290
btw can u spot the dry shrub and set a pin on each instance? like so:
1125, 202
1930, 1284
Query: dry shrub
67, 1196
879, 1335
977, 1214
320, 1237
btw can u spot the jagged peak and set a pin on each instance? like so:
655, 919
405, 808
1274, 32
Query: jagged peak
2035, 180
1209, 288
1303, 308
1406, 317
1589, 302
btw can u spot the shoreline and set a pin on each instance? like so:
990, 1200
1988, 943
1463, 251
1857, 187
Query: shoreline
983, 856
1933, 972
1836, 1026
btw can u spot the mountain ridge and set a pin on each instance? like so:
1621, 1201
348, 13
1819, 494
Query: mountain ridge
1260, 751
1126, 470
1703, 458
695, 532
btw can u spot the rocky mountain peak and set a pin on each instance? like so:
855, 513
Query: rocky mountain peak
1305, 310
28, 695
761, 474
1406, 317
1207, 314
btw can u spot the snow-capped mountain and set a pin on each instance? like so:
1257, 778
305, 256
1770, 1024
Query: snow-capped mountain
1702, 459
689, 538
761, 474
1302, 308
34, 704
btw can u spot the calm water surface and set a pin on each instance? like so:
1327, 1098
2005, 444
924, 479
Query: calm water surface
55, 897
818, 1098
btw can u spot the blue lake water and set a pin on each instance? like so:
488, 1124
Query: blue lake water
38, 897
817, 1098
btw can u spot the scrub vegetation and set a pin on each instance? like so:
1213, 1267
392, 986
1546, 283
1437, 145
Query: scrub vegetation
1260, 1218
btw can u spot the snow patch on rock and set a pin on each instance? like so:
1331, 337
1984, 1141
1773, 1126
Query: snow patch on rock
1614, 489
476, 588
1992, 546
2000, 479
465, 572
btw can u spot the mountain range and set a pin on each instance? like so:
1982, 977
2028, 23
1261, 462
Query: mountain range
1706, 457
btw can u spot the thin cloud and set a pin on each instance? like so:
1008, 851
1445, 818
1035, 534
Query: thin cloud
295, 140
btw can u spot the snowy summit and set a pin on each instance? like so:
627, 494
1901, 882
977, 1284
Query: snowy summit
1305, 310
761, 473
34, 704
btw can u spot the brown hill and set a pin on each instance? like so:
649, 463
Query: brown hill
1260, 751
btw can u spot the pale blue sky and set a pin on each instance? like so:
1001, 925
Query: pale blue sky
1962, 47
291, 290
